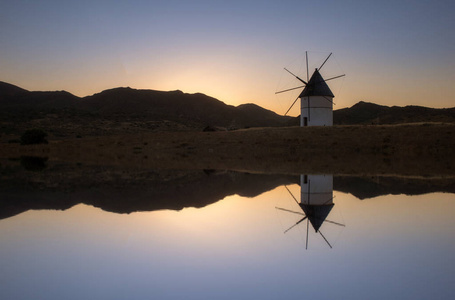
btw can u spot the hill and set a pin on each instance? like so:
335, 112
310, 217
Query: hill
13, 98
179, 107
369, 113
175, 109
126, 110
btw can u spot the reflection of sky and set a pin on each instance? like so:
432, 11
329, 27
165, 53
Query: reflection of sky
394, 54
392, 247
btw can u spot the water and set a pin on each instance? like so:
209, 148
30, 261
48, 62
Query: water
382, 247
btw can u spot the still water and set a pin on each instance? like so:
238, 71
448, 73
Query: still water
263, 246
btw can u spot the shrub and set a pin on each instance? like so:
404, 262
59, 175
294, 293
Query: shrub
34, 136
34, 163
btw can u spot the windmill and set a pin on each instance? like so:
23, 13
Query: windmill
316, 203
316, 98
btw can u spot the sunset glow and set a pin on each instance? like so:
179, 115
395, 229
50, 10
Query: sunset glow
394, 54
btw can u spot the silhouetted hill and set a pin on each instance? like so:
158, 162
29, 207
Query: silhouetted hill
365, 113
9, 90
127, 110
127, 104
257, 114
16, 99
370, 113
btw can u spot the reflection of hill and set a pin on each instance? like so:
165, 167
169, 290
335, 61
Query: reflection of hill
370, 187
120, 190
126, 191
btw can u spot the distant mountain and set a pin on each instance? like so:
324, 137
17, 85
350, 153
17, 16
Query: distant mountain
125, 110
8, 90
365, 113
370, 113
122, 104
15, 98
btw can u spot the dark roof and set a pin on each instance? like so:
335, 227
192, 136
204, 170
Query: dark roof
317, 213
316, 87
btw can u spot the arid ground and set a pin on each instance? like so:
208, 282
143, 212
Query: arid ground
425, 149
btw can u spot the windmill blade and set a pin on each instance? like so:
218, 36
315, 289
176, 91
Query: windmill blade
307, 73
291, 105
300, 79
300, 221
289, 89
309, 189
291, 211
307, 227
303, 219
291, 195
331, 78
325, 239
290, 228
339, 224
325, 61
325, 220
330, 199
330, 100
335, 77
309, 109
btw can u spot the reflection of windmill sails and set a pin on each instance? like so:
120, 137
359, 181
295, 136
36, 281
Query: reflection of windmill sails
316, 99
316, 202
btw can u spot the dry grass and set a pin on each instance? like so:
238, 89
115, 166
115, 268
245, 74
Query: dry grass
410, 149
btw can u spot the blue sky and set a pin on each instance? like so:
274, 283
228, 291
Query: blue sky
393, 52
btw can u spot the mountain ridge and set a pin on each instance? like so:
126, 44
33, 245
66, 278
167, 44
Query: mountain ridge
172, 110
367, 113
143, 104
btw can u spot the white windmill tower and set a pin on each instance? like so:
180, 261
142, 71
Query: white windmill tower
316, 99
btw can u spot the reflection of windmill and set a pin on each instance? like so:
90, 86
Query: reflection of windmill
316, 203
316, 99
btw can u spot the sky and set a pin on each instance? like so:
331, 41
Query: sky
392, 52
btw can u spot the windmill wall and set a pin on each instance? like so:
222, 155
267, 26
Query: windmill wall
316, 111
316, 189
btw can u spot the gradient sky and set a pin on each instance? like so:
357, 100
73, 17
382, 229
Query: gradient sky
393, 52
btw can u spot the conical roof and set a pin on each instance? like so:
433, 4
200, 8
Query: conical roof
317, 213
316, 87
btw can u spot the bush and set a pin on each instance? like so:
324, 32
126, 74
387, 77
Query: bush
34, 136
34, 163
